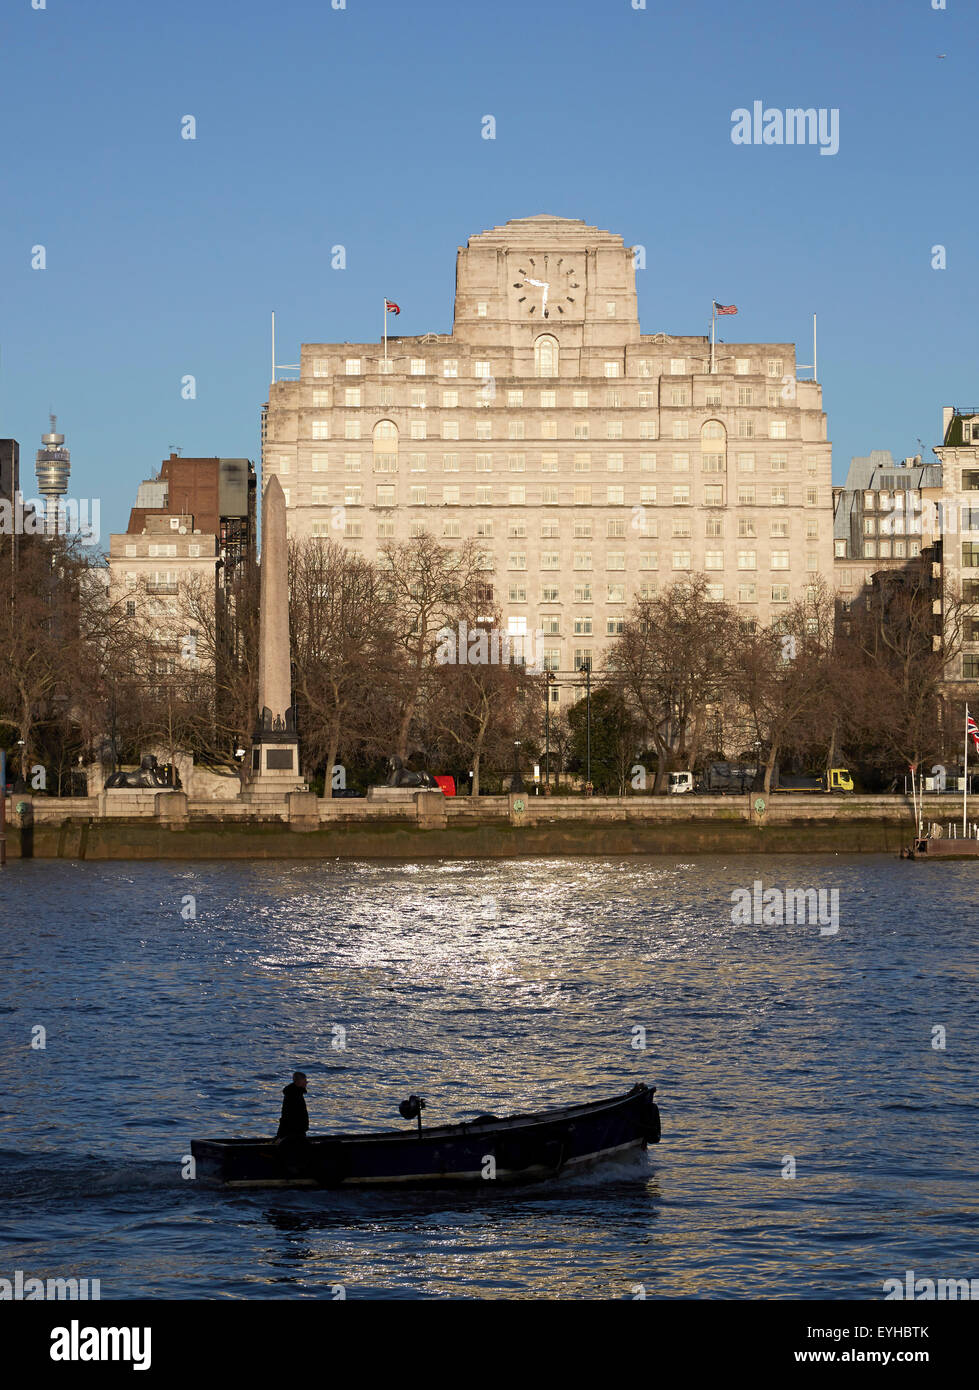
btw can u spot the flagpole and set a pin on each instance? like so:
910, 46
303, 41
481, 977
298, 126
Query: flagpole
713, 320
385, 328
965, 769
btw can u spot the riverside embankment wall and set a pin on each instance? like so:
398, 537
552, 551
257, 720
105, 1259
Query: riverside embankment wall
165, 825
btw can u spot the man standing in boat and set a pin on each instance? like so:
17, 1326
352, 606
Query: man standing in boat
295, 1117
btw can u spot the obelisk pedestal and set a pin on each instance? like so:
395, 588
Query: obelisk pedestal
275, 747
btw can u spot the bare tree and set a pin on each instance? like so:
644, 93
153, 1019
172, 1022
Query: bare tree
672, 661
342, 642
431, 587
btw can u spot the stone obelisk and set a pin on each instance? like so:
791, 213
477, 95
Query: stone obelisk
275, 751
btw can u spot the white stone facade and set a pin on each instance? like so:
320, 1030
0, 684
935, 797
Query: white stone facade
588, 460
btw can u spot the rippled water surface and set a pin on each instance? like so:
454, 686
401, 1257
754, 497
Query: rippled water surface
495, 986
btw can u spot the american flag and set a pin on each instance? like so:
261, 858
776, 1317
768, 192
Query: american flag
972, 729
725, 308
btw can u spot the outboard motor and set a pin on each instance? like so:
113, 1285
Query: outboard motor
411, 1109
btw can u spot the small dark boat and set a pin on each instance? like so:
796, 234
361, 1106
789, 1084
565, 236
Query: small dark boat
522, 1148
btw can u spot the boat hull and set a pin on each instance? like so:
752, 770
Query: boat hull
522, 1148
942, 849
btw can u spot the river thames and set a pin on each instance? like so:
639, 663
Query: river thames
818, 1088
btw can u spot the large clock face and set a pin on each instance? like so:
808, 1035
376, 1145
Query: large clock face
546, 286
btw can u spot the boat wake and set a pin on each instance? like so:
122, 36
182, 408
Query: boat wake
40, 1178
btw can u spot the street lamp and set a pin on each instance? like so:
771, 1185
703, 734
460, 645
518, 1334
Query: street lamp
548, 682
516, 781
586, 666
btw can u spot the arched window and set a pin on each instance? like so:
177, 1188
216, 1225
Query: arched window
713, 429
385, 447
546, 356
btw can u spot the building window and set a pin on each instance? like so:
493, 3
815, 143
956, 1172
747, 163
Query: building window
774, 366
746, 559
615, 560
746, 429
352, 366
484, 463
582, 560
515, 429
582, 496
550, 560
746, 495
742, 366
582, 530
779, 463
610, 308
549, 463
581, 431
648, 560
681, 463
518, 496
482, 308
484, 429
450, 367
615, 496
681, 559
450, 400
745, 395
582, 463
712, 463
714, 526
516, 560
647, 463
450, 463
548, 400
779, 496
713, 559
812, 497
615, 529
647, 494
616, 593
611, 369
780, 560
582, 626
678, 366
351, 396
484, 496
615, 463
777, 429
549, 496
681, 495
320, 429
321, 366
713, 495
546, 356
613, 429
579, 399
384, 495
417, 496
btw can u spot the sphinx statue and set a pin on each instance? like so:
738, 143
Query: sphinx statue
148, 774
401, 776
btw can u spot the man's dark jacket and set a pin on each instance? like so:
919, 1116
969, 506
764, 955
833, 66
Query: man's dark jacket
295, 1117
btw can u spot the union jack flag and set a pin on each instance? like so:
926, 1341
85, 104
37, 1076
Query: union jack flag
972, 729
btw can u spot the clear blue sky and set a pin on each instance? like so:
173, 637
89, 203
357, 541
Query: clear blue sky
362, 127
